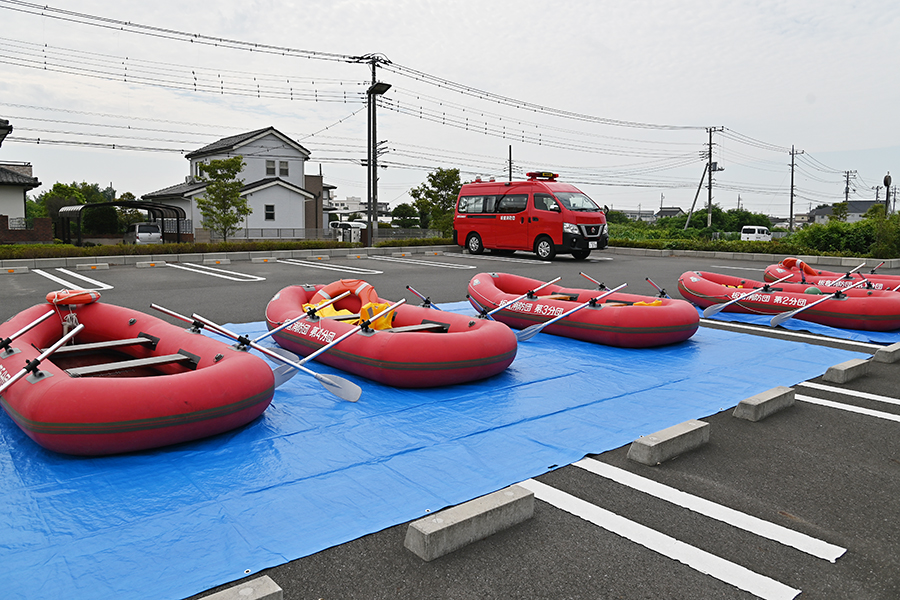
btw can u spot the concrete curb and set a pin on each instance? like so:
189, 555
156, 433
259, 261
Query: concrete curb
847, 371
458, 526
889, 354
261, 588
659, 447
148, 264
760, 406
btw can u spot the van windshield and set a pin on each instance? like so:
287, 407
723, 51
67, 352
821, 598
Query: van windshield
577, 201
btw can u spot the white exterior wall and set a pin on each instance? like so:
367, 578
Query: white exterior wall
12, 201
289, 208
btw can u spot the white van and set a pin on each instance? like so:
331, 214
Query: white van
143, 233
755, 233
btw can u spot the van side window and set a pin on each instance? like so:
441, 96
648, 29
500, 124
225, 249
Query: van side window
545, 202
476, 204
512, 203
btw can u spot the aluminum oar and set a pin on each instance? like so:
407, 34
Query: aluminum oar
781, 317
717, 308
531, 331
31, 366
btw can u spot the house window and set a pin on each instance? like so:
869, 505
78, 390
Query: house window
270, 212
270, 167
282, 168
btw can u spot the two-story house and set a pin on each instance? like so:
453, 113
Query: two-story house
274, 181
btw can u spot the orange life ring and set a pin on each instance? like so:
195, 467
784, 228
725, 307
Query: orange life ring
791, 263
359, 288
72, 297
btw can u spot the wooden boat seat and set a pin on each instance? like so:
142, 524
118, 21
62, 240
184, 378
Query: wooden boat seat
129, 364
104, 345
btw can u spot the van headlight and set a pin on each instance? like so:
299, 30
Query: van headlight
570, 228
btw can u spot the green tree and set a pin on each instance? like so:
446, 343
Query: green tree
618, 217
434, 200
839, 211
56, 197
222, 206
405, 215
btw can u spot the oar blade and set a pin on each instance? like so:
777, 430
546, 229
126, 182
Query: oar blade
283, 374
529, 332
714, 309
782, 317
340, 387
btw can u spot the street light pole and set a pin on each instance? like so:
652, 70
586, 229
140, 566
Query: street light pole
887, 193
376, 89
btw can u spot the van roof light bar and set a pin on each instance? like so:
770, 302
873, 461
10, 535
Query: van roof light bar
534, 175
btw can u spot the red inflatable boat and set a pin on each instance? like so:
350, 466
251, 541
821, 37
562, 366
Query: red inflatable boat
858, 308
623, 320
412, 346
801, 272
129, 381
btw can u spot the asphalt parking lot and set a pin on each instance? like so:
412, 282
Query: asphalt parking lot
823, 469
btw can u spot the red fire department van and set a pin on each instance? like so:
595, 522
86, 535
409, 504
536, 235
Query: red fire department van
540, 215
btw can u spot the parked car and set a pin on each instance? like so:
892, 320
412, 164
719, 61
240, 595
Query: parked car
755, 233
144, 233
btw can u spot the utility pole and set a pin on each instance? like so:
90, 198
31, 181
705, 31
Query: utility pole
711, 166
887, 194
847, 175
791, 217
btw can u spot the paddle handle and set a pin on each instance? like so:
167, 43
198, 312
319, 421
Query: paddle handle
426, 300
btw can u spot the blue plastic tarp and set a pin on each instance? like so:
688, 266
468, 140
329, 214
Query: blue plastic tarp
314, 471
875, 337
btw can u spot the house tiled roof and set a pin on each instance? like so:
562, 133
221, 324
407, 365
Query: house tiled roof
9, 177
178, 190
226, 143
232, 142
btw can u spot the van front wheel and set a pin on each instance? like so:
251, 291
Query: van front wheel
543, 247
473, 243
580, 254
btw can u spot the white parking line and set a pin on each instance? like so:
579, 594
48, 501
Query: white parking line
221, 273
849, 408
414, 261
710, 564
98, 284
503, 259
853, 393
760, 527
311, 265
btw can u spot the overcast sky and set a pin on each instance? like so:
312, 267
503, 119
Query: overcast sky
617, 97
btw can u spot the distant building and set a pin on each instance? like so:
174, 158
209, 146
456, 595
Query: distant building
669, 211
16, 181
648, 216
855, 211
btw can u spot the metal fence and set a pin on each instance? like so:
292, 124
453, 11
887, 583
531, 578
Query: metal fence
276, 233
